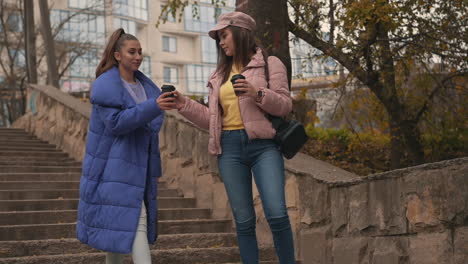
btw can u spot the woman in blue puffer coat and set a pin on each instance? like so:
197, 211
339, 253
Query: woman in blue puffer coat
117, 210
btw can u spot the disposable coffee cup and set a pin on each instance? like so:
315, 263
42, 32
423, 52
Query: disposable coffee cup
233, 81
167, 88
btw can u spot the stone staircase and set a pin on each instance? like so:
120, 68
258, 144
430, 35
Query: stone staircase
38, 201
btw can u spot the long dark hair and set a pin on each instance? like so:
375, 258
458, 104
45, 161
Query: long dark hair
115, 43
244, 44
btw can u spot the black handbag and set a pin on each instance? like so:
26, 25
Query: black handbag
290, 134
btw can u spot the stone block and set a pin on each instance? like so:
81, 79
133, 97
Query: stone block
162, 135
461, 245
315, 246
291, 191
375, 208
339, 210
205, 162
213, 164
204, 195
221, 207
354, 250
436, 196
178, 177
295, 220
431, 248
185, 148
264, 236
313, 200
386, 208
171, 136
389, 250
358, 208
186, 180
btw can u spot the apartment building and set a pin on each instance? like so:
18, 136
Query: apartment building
178, 52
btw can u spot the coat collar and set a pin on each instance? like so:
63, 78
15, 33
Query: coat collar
150, 88
257, 60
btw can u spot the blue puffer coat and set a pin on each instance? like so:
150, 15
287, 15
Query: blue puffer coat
121, 165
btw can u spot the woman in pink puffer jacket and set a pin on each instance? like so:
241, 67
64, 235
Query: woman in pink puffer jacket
241, 135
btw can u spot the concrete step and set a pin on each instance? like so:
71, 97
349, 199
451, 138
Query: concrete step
25, 157
70, 216
38, 185
38, 205
29, 163
167, 256
28, 142
48, 148
15, 134
18, 138
2, 129
72, 204
23, 154
68, 230
23, 248
49, 176
30, 194
5, 169
40, 176
39, 194
52, 185
35, 146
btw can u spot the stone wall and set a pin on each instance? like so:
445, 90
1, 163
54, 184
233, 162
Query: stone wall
414, 215
57, 118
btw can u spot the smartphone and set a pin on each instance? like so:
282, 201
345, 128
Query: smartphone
167, 88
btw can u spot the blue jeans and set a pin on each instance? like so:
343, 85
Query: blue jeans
240, 159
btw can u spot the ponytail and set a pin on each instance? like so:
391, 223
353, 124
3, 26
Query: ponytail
115, 43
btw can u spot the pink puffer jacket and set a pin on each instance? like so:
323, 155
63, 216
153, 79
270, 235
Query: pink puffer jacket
276, 101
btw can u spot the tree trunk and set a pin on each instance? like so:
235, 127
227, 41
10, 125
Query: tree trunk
396, 145
271, 17
30, 40
49, 44
412, 137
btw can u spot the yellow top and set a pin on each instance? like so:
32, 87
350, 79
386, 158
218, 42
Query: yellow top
230, 103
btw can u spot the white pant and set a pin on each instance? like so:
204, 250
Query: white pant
140, 249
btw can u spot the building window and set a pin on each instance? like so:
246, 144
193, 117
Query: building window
97, 5
209, 50
201, 23
167, 15
129, 26
206, 18
85, 65
146, 66
229, 3
79, 28
169, 44
170, 74
197, 78
330, 66
131, 8
15, 23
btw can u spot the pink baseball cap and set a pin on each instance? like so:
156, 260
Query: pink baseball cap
237, 19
